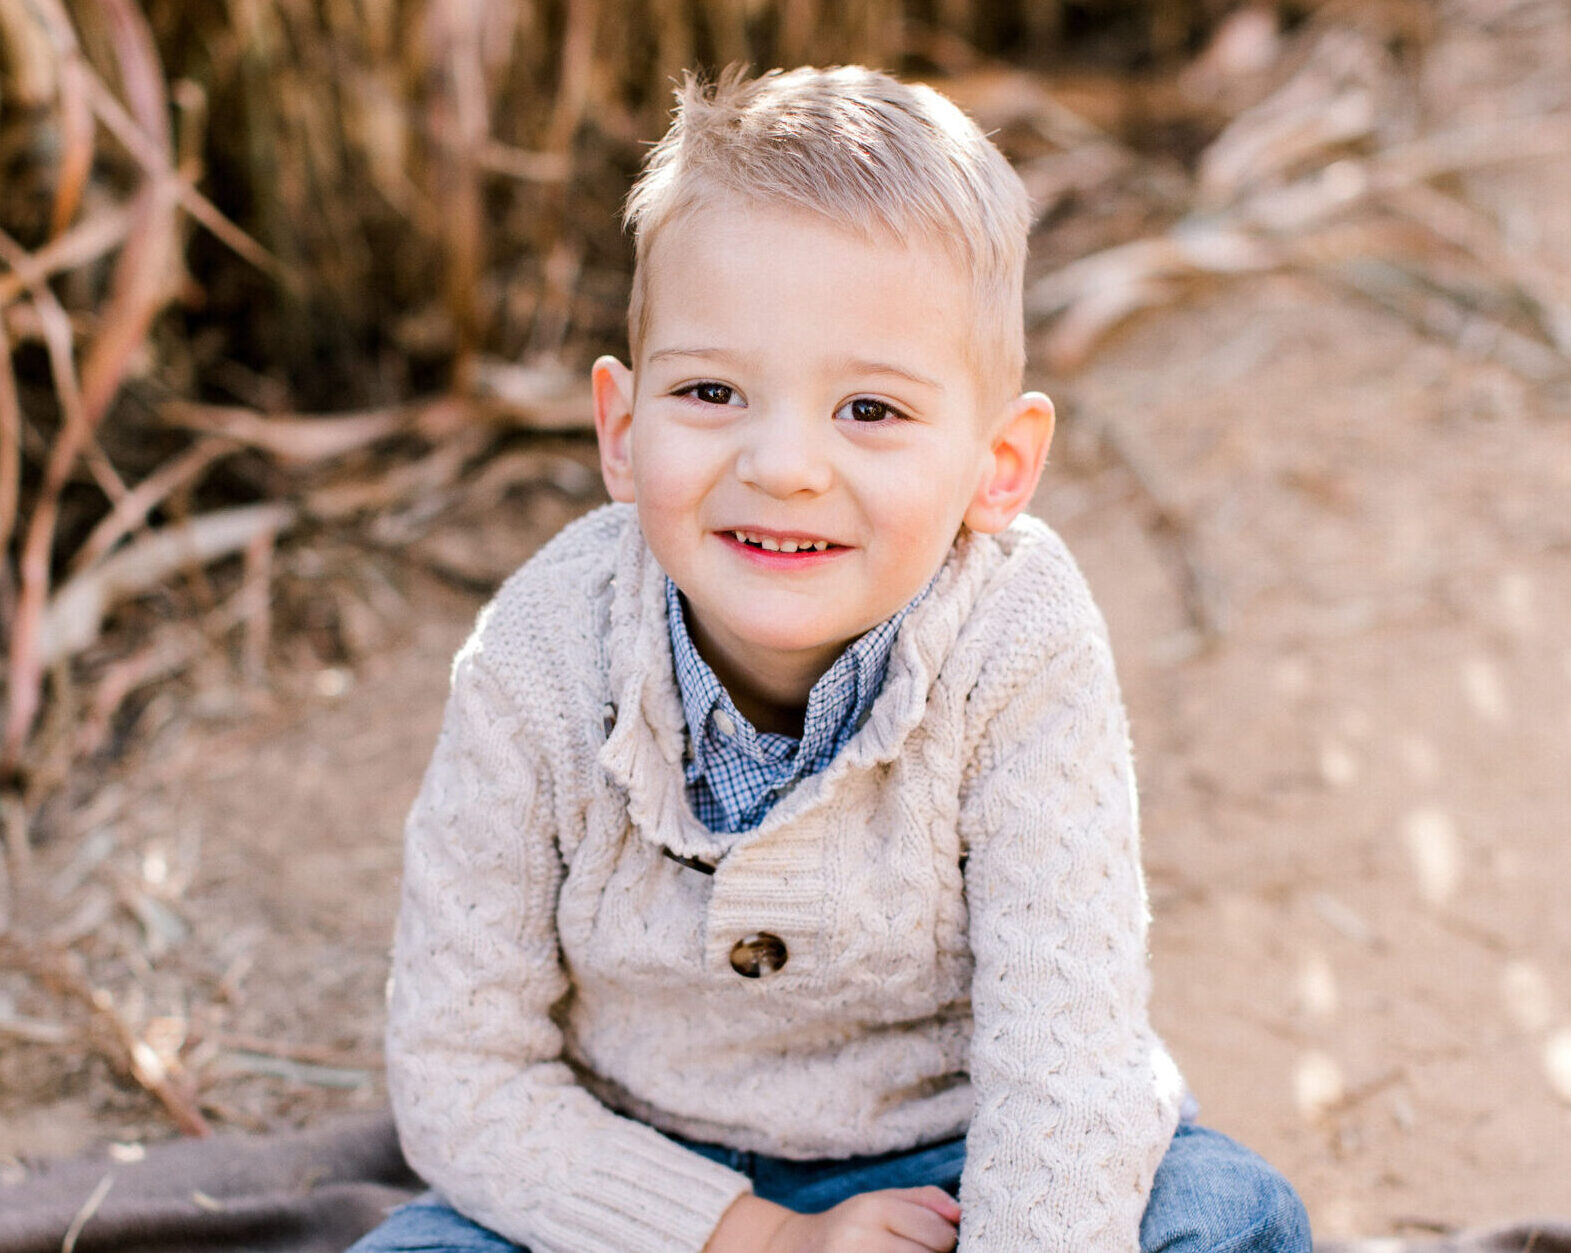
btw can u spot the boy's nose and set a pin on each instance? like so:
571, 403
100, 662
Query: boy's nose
783, 454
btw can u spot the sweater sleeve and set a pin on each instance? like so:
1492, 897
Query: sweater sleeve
487, 1110
1076, 1098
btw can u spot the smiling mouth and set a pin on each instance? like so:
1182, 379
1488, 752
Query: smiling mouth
781, 544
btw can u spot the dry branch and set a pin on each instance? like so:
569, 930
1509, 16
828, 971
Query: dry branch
424, 482
167, 655
76, 612
26, 669
529, 167
1295, 181
139, 289
543, 395
33, 1030
1540, 138
161, 1076
125, 1049
131, 510
290, 438
10, 443
83, 244
76, 114
155, 160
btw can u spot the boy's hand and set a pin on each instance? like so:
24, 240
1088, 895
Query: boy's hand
894, 1220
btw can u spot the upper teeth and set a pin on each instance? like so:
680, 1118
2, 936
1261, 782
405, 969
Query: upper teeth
770, 544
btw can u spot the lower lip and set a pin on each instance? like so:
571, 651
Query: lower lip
802, 559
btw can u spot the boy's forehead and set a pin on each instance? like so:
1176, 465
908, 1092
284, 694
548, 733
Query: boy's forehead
787, 249
764, 219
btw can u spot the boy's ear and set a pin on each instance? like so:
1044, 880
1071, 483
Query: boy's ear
1014, 464
613, 389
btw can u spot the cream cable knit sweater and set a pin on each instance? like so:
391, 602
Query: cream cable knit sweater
959, 894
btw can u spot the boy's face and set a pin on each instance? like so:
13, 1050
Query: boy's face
806, 435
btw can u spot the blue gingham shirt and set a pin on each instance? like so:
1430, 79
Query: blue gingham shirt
735, 773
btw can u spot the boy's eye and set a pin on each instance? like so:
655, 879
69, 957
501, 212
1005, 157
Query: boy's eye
710, 393
866, 409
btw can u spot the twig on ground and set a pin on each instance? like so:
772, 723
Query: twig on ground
133, 1055
1454, 221
18, 852
152, 1071
73, 1233
1356, 1096
1203, 594
312, 1054
1345, 920
162, 927
295, 1072
1272, 187
505, 471
93, 910
1096, 293
1473, 333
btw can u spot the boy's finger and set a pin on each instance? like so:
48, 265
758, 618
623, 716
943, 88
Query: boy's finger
935, 1199
923, 1226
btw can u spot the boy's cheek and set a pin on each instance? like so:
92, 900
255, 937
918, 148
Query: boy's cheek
670, 465
672, 534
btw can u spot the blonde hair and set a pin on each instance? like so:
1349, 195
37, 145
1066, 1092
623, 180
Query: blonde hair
862, 149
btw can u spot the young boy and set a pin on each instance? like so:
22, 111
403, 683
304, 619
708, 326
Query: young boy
776, 875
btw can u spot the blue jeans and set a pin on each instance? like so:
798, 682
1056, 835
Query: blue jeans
1210, 1195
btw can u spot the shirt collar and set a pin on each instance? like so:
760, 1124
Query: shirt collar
839, 701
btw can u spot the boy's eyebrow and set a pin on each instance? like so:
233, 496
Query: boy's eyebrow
851, 365
718, 354
858, 366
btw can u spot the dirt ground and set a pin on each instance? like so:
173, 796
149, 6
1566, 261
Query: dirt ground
1335, 556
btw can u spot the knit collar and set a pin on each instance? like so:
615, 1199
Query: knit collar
643, 753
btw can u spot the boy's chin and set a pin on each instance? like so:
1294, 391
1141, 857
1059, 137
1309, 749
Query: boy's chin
776, 633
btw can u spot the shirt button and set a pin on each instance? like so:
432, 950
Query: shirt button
723, 724
759, 954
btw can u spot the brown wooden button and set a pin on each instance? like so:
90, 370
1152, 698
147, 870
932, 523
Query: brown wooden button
759, 954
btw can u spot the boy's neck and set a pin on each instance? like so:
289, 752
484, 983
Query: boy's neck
772, 697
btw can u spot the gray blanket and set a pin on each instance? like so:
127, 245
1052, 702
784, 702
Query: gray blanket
318, 1191
308, 1192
